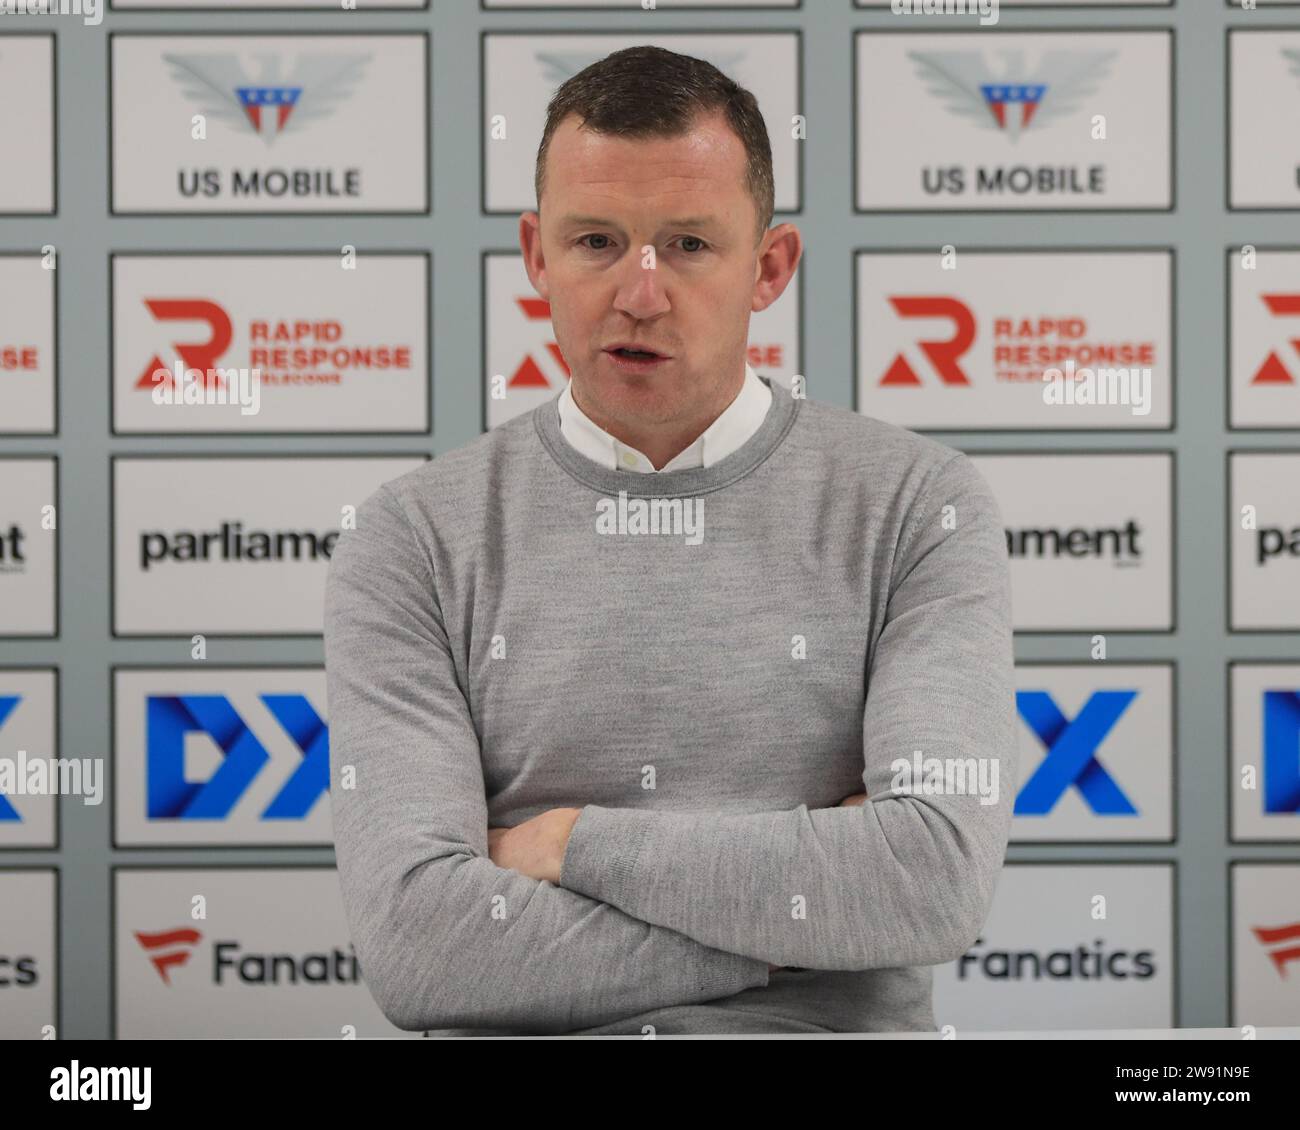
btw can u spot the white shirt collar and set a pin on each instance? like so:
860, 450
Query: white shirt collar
738, 421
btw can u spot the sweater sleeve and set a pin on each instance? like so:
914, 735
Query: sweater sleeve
906, 878
444, 937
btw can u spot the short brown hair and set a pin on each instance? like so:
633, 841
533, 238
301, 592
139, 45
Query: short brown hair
650, 92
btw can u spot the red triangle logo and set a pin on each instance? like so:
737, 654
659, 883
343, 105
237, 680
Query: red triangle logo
900, 373
528, 375
1273, 372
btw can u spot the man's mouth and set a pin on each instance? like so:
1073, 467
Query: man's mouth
629, 359
635, 354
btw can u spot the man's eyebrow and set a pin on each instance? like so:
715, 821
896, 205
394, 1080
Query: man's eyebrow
602, 222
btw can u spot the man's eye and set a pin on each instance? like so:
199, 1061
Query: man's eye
694, 239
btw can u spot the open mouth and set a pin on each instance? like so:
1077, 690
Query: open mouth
635, 354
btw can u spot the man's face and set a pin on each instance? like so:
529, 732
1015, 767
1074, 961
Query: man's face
652, 241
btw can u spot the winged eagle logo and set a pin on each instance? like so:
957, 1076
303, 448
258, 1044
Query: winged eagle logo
276, 98
1012, 98
1294, 58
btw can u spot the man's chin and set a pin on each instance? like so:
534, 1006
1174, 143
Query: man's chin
643, 400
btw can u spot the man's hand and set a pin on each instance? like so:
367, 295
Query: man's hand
857, 798
536, 847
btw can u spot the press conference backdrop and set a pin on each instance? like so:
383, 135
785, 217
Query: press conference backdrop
332, 197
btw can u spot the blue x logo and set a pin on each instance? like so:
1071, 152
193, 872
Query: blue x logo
1281, 750
1071, 749
7, 704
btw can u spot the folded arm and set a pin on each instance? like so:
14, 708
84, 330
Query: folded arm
904, 879
444, 937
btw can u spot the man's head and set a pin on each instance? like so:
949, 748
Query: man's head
639, 149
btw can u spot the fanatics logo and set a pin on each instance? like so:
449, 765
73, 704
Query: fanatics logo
168, 948
1282, 943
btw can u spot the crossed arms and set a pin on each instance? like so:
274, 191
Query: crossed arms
656, 908
536, 847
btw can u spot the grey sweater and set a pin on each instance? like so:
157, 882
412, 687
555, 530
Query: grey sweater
501, 639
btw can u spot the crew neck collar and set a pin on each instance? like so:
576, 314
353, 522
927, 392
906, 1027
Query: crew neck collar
742, 417
669, 484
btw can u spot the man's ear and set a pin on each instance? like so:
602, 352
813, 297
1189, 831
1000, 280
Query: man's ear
776, 264
530, 243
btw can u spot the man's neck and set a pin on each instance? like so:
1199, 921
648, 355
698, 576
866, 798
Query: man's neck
658, 445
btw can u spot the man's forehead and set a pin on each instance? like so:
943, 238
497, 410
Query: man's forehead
708, 129
654, 192
707, 150
573, 219
692, 180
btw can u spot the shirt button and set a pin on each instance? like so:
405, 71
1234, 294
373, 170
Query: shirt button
629, 459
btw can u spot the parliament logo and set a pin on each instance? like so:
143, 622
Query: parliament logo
251, 535
1089, 537
1263, 540
12, 557
28, 546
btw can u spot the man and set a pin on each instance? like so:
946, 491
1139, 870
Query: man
600, 679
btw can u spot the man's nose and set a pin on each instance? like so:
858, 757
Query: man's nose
641, 291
